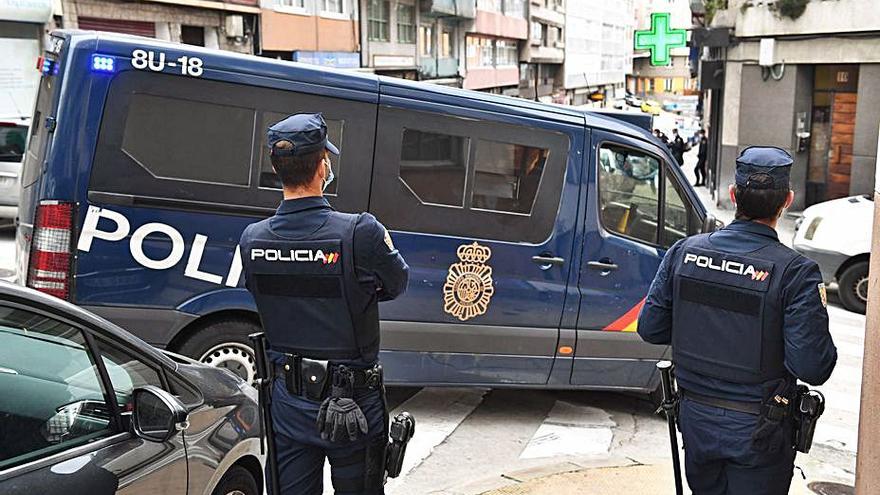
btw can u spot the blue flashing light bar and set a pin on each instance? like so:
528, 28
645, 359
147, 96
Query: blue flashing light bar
103, 63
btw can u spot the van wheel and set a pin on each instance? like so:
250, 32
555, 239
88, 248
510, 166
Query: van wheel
237, 481
853, 287
224, 344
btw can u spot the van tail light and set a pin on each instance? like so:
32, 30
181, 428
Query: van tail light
50, 263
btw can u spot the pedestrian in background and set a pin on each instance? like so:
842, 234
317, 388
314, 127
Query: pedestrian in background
317, 276
677, 147
700, 169
746, 317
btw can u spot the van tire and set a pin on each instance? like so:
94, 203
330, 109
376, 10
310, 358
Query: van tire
237, 480
224, 344
852, 287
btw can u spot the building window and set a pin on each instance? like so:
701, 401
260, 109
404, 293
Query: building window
506, 53
447, 44
333, 6
192, 35
406, 23
514, 8
377, 16
537, 32
290, 4
489, 5
667, 85
426, 41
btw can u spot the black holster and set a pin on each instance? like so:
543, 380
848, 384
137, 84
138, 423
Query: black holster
809, 406
403, 427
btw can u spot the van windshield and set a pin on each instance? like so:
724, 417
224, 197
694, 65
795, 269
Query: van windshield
12, 140
36, 147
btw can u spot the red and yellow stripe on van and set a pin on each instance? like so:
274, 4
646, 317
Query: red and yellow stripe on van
628, 322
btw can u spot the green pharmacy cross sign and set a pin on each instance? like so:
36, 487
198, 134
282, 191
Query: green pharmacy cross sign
660, 39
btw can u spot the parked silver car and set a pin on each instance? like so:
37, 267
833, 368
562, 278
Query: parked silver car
13, 136
89, 408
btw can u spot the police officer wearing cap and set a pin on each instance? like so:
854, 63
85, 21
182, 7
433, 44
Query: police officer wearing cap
316, 276
746, 317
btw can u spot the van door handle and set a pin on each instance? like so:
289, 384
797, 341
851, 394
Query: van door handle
604, 265
547, 261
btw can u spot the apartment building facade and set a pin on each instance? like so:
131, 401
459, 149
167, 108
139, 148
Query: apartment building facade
213, 24
543, 54
811, 90
492, 43
598, 50
319, 32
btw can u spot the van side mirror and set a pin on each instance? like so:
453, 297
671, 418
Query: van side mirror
711, 224
158, 415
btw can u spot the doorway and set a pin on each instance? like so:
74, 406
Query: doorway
835, 96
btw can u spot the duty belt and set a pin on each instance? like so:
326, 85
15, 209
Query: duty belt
311, 378
733, 405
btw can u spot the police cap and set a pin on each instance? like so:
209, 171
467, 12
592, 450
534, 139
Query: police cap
307, 132
763, 167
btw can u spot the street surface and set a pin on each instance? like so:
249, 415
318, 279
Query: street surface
473, 441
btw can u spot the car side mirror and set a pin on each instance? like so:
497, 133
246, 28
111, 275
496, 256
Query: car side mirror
711, 224
158, 415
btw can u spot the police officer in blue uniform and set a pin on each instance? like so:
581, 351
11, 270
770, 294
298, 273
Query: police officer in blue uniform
746, 317
317, 276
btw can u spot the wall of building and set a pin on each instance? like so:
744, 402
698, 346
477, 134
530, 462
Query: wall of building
867, 124
287, 32
598, 42
391, 53
820, 16
167, 17
500, 25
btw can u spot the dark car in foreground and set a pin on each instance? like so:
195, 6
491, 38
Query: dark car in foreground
88, 408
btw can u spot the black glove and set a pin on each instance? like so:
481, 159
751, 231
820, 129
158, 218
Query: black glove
341, 416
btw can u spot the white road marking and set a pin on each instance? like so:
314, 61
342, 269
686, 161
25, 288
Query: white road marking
571, 430
438, 412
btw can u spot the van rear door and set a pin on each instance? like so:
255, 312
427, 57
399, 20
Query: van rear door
483, 206
638, 206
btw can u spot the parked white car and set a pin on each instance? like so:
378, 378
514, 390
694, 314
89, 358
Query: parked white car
837, 235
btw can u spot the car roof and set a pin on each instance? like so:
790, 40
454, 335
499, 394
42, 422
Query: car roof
40, 301
263, 67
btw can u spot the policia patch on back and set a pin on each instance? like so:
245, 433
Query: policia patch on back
823, 294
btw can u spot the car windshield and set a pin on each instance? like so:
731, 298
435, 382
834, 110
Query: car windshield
12, 140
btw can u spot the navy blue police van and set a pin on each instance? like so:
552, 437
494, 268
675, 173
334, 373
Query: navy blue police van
532, 231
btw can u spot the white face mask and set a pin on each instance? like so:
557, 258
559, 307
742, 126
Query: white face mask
330, 175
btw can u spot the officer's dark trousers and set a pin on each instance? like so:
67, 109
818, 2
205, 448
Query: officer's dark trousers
719, 459
301, 451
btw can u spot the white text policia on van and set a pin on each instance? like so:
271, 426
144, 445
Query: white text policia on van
90, 232
728, 266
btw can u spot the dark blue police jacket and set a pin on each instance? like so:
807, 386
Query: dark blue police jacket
292, 306
806, 346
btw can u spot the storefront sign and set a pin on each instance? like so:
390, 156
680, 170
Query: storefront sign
393, 61
340, 60
36, 11
660, 39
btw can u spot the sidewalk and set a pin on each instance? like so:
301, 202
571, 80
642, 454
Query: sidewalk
641, 479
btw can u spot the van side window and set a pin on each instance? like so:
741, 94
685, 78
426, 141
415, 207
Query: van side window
270, 180
507, 176
198, 144
434, 166
676, 215
436, 173
629, 195
200, 141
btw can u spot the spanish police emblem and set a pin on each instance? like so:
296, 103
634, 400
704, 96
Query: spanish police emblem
823, 295
469, 287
